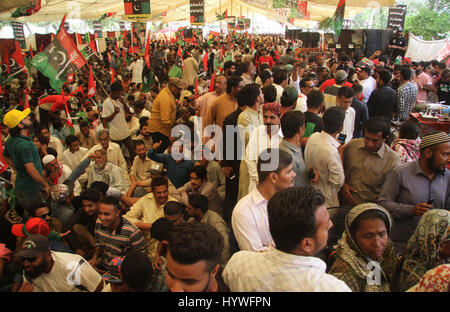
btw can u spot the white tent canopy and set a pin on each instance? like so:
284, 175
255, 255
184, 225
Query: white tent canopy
179, 9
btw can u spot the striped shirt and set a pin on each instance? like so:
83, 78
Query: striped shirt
406, 99
118, 242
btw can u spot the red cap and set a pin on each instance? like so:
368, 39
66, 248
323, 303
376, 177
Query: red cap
33, 226
407, 60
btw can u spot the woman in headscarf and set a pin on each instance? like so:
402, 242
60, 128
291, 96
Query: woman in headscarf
427, 248
408, 143
435, 280
365, 257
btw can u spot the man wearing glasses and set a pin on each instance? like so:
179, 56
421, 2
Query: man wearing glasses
49, 271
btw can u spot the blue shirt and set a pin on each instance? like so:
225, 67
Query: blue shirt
407, 185
178, 173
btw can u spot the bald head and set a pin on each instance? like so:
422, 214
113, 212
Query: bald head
220, 84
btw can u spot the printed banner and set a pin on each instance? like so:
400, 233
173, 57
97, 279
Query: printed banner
19, 34
197, 12
137, 10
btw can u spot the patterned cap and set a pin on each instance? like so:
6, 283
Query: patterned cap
113, 274
273, 107
33, 226
434, 139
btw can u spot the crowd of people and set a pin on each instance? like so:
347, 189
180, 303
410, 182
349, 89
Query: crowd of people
260, 168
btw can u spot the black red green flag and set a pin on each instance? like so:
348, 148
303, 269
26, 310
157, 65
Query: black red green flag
338, 17
59, 59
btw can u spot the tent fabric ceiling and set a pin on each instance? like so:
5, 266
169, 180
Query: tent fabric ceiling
179, 10
6, 5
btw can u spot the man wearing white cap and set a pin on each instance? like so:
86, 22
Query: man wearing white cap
413, 188
59, 172
22, 154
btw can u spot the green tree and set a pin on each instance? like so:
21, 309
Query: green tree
429, 24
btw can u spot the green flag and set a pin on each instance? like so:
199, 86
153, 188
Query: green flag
175, 71
59, 59
148, 79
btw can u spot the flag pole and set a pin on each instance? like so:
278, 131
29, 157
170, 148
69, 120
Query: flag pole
99, 81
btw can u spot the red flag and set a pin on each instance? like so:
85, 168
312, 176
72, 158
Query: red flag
79, 89
92, 91
205, 61
109, 58
112, 75
70, 78
79, 39
5, 60
18, 56
1, 90
93, 46
181, 56
31, 52
253, 45
69, 119
146, 55
211, 86
27, 104
3, 164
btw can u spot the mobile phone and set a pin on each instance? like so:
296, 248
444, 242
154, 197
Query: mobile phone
430, 201
341, 138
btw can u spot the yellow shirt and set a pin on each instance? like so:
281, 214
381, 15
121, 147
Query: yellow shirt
145, 210
163, 113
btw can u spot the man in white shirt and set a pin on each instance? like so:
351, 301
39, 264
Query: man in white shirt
113, 151
136, 67
52, 141
323, 152
49, 271
299, 224
263, 137
344, 100
74, 154
280, 81
114, 108
249, 219
368, 82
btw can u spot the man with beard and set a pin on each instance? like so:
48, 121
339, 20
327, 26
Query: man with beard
132, 123
105, 171
199, 185
113, 151
248, 73
148, 209
144, 136
413, 188
261, 138
50, 271
82, 224
21, 154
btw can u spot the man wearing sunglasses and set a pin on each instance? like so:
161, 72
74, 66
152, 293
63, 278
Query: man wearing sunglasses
49, 271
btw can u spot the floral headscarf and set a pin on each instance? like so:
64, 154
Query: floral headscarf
350, 255
435, 280
422, 250
408, 150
